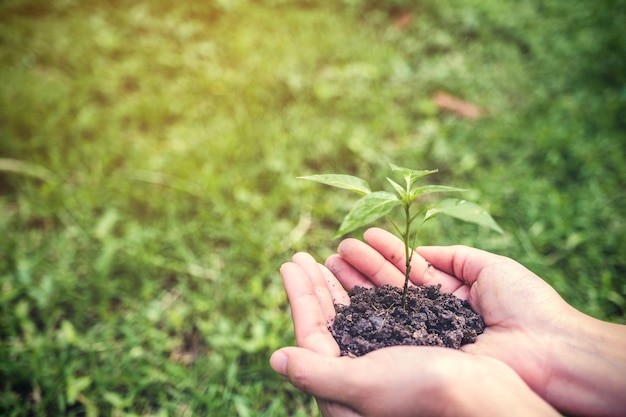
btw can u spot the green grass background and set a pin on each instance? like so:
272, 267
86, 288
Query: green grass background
148, 155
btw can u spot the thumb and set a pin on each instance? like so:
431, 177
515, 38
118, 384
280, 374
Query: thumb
324, 377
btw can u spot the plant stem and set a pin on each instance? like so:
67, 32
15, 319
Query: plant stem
408, 254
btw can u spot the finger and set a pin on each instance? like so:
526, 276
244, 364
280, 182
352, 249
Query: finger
393, 250
501, 288
314, 273
337, 293
370, 263
463, 292
463, 262
347, 275
310, 325
324, 377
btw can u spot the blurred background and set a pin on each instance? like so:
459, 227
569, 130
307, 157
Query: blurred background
148, 155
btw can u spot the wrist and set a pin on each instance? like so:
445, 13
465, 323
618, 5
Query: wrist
587, 367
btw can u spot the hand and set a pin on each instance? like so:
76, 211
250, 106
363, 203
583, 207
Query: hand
552, 346
398, 381
312, 292
405, 381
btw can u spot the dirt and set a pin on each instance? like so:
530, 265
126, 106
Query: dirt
376, 319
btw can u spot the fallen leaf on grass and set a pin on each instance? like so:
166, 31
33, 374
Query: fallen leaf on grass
403, 20
457, 106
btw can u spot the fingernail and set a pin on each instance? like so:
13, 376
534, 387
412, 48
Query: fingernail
278, 362
343, 246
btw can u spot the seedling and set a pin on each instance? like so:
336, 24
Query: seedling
374, 205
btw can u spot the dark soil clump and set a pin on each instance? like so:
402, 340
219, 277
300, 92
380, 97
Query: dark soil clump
375, 319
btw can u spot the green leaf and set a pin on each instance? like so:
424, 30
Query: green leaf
347, 182
463, 210
75, 386
410, 175
427, 189
26, 168
367, 209
398, 188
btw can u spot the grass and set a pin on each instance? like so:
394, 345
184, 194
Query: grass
148, 155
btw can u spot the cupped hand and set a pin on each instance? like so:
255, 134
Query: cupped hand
403, 381
398, 381
526, 319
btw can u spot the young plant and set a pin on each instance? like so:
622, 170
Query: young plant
374, 205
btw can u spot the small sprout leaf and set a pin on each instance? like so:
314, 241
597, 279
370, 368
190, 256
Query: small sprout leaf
428, 189
463, 210
410, 175
401, 191
347, 182
367, 209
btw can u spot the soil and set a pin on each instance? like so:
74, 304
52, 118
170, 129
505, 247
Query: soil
376, 319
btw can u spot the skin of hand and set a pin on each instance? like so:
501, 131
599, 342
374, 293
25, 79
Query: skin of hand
405, 381
398, 381
573, 361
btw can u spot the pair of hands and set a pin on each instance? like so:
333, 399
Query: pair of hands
510, 368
